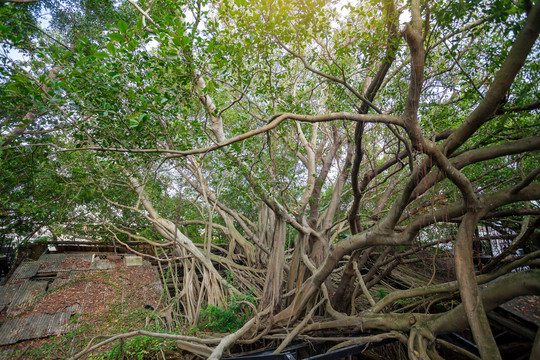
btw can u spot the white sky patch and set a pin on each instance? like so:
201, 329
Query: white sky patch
404, 17
16, 55
45, 20
342, 7
151, 45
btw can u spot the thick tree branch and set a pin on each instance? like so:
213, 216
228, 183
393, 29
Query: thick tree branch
501, 84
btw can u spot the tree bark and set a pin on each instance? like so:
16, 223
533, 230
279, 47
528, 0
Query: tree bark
468, 288
273, 285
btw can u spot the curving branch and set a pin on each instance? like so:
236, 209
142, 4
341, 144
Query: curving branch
272, 124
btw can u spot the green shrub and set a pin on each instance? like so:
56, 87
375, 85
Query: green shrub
137, 348
228, 318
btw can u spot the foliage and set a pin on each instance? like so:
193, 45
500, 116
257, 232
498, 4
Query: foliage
250, 136
137, 348
228, 318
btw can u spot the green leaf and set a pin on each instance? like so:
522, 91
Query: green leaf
117, 37
177, 40
133, 122
185, 40
210, 86
122, 26
101, 55
111, 48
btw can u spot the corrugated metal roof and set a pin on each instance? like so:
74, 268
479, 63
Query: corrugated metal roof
25, 271
6, 294
51, 262
25, 293
36, 326
22, 292
46, 258
59, 282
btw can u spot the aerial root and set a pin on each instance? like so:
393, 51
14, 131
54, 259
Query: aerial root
230, 339
422, 347
185, 339
198, 349
457, 349
364, 339
191, 344
420, 344
432, 352
298, 328
413, 354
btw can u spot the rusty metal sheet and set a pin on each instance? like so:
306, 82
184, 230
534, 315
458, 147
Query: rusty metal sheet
6, 294
58, 282
49, 263
25, 271
53, 262
25, 294
60, 257
36, 326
